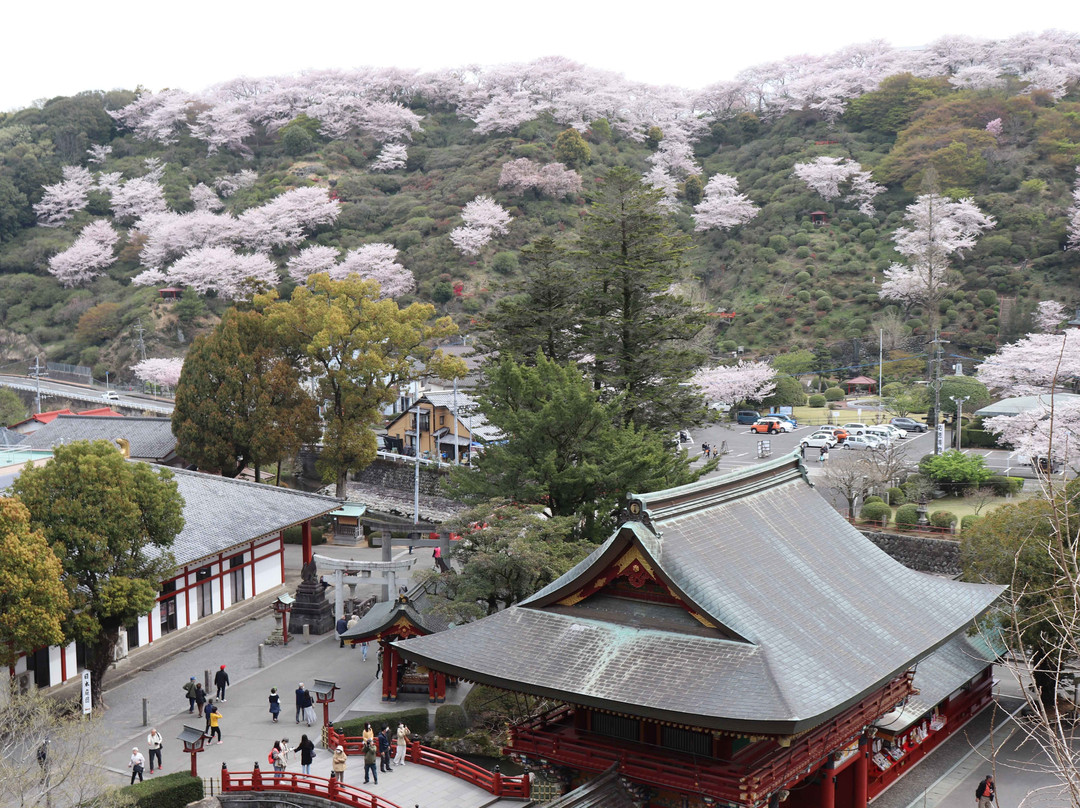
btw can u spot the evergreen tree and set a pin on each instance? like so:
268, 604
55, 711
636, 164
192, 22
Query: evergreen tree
638, 333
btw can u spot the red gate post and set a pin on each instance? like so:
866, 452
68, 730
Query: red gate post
256, 778
497, 781
305, 539
224, 777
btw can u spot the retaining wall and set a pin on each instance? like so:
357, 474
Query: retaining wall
937, 556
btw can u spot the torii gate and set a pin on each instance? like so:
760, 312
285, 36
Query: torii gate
350, 572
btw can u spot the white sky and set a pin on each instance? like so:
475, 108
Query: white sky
60, 48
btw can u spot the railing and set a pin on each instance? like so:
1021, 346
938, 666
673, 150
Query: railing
492, 782
294, 783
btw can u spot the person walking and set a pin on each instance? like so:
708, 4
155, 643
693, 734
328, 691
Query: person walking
985, 792
384, 749
363, 651
403, 734
190, 689
369, 762
307, 753
277, 759
275, 703
352, 622
221, 681
215, 717
338, 765
136, 765
153, 743
200, 698
303, 700
342, 626
824, 456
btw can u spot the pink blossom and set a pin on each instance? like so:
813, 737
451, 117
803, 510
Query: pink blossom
377, 262
312, 260
731, 384
232, 275
484, 218
169, 235
994, 127
826, 175
97, 153
676, 158
390, 157
1034, 364
205, 198
553, 179
165, 372
138, 197
1073, 226
723, 207
1051, 429
284, 219
155, 117
61, 201
1050, 314
88, 257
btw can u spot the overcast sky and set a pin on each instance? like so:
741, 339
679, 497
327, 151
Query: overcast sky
61, 48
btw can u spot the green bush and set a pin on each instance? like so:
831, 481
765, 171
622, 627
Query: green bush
1003, 486
415, 719
802, 277
817, 401
955, 471
824, 303
943, 519
876, 512
505, 263
176, 790
907, 516
968, 522
834, 394
896, 496
872, 498
450, 720
294, 535
978, 438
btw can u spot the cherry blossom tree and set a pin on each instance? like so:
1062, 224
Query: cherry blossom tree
64, 199
937, 229
1050, 314
731, 384
97, 153
312, 260
676, 158
165, 372
659, 179
204, 197
284, 220
994, 127
377, 262
155, 116
231, 183
553, 179
170, 235
1073, 226
108, 181
723, 206
88, 257
484, 218
390, 157
826, 175
229, 274
138, 197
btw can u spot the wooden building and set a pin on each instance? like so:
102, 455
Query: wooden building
443, 424
734, 641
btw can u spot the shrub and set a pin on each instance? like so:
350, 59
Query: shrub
834, 394
1003, 486
896, 496
872, 498
943, 519
817, 401
443, 292
955, 471
415, 719
876, 512
987, 298
968, 522
175, 790
802, 277
907, 516
450, 720
294, 535
505, 263
802, 296
824, 303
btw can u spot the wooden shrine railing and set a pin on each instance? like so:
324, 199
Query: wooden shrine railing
518, 787
308, 784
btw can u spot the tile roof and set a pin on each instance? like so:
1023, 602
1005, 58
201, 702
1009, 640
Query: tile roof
467, 412
433, 510
220, 513
807, 615
149, 438
383, 615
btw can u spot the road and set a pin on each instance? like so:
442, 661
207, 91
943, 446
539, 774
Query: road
81, 393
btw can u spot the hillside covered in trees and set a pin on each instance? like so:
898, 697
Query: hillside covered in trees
790, 182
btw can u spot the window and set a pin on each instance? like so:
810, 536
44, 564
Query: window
442, 419
167, 606
685, 740
616, 726
236, 577
206, 592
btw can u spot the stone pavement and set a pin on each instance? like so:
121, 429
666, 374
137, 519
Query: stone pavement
247, 728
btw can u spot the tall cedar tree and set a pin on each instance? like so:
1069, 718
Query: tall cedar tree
33, 601
637, 333
359, 348
540, 313
239, 400
566, 448
111, 523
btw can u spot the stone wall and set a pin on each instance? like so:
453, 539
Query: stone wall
937, 556
272, 799
385, 474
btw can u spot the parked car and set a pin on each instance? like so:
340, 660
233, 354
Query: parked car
910, 424
747, 416
863, 442
838, 432
819, 440
110, 395
771, 424
881, 432
895, 431
853, 426
789, 418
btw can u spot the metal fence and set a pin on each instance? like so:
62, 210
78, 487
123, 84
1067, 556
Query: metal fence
76, 373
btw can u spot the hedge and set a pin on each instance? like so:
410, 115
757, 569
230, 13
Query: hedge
415, 719
293, 535
872, 498
834, 394
817, 401
978, 439
175, 790
943, 519
876, 512
896, 496
450, 720
907, 516
968, 522
1003, 486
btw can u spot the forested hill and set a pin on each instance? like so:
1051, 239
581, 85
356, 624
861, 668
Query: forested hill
792, 181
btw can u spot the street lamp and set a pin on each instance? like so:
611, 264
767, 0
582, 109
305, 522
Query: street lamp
282, 605
959, 401
324, 695
194, 739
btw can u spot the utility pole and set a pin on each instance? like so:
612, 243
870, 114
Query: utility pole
35, 371
959, 402
935, 380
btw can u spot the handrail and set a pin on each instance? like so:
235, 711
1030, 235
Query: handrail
308, 784
495, 783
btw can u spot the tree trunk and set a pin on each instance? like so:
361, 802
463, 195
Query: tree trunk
340, 486
99, 657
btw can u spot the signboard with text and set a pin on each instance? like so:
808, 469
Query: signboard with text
86, 692
940, 438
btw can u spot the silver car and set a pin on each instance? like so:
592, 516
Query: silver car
863, 442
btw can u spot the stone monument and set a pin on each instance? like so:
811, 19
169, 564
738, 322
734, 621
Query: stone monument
311, 606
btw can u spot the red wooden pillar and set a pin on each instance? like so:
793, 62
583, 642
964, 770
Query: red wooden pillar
305, 536
828, 786
432, 687
384, 651
391, 672
440, 687
862, 772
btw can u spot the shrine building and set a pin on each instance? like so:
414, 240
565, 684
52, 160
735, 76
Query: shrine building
734, 642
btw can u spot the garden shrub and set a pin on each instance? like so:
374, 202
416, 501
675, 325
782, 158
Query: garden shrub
1003, 486
876, 512
907, 516
294, 535
896, 496
943, 519
872, 498
834, 394
968, 522
415, 719
176, 790
450, 720
817, 401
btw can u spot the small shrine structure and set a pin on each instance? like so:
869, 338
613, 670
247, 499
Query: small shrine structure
734, 641
859, 382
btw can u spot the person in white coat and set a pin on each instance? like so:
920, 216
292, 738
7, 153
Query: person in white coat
403, 735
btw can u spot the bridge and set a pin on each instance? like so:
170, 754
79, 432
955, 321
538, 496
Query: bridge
70, 391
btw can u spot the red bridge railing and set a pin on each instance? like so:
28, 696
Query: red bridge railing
302, 784
519, 787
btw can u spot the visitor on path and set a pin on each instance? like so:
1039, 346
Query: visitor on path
363, 652
986, 792
200, 698
378, 664
338, 772
303, 701
342, 627
215, 717
190, 689
136, 765
824, 456
403, 734
440, 565
307, 753
153, 743
384, 749
368, 733
309, 711
209, 708
275, 703
352, 623
277, 760
221, 681
369, 762
705, 449
802, 451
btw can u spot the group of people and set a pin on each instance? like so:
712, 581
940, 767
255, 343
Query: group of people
708, 450
280, 755
376, 747
137, 763
344, 623
198, 701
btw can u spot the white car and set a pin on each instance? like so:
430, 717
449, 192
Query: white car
850, 428
895, 431
819, 440
881, 433
110, 395
863, 442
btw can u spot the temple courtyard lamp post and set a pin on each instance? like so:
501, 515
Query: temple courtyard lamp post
194, 740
